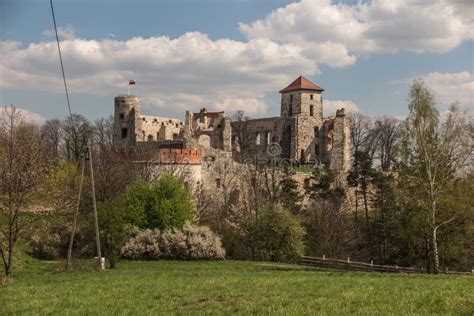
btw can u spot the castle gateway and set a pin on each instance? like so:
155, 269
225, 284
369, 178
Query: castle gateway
300, 133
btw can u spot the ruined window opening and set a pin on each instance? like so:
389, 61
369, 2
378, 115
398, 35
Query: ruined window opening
290, 110
177, 124
311, 97
218, 183
201, 119
162, 123
124, 132
150, 138
155, 121
302, 154
121, 115
291, 98
143, 119
257, 139
316, 131
311, 110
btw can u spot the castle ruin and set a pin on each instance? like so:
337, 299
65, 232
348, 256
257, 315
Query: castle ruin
300, 133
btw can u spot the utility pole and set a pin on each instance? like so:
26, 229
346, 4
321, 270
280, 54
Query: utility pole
96, 222
76, 214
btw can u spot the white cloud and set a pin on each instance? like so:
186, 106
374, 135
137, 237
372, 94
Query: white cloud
68, 32
29, 116
184, 72
330, 107
336, 34
451, 87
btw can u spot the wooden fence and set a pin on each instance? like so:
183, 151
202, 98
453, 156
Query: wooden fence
354, 265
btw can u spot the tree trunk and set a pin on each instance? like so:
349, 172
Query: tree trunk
435, 251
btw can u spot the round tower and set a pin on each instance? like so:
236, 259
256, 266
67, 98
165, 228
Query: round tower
127, 123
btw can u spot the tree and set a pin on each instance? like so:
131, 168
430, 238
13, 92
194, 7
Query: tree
290, 196
325, 218
164, 203
433, 153
276, 235
22, 167
77, 134
52, 136
388, 133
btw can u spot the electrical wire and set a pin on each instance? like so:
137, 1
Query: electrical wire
60, 58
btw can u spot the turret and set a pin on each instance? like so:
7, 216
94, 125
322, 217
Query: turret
302, 106
127, 123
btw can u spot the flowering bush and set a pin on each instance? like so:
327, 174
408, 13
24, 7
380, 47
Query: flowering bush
144, 245
188, 243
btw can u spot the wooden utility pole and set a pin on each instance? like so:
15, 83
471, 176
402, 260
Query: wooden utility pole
96, 222
76, 214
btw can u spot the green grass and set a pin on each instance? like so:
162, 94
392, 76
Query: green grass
228, 287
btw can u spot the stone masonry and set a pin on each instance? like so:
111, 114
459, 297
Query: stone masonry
299, 134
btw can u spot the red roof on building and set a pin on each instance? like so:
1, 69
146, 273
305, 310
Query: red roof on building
301, 83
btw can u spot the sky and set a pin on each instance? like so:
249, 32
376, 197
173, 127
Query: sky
233, 54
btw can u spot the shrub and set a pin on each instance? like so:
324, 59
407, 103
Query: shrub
144, 245
187, 243
46, 245
277, 235
163, 204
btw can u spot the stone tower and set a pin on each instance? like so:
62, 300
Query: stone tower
302, 110
127, 123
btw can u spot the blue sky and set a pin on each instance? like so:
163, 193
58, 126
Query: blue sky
234, 54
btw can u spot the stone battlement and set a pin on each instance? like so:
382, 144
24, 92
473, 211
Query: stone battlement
171, 156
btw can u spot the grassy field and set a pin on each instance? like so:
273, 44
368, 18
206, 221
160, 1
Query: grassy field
227, 287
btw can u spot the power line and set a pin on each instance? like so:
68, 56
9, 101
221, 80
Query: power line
60, 58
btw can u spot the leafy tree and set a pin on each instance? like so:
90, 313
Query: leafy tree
276, 235
114, 230
165, 203
433, 152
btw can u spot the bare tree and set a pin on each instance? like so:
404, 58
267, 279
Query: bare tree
52, 135
243, 138
21, 169
388, 132
103, 132
77, 134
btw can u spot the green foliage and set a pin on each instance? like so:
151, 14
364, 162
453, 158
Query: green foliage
277, 235
162, 204
323, 185
289, 195
114, 231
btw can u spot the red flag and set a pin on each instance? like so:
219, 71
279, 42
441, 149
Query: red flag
131, 82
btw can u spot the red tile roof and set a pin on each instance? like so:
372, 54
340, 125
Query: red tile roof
301, 83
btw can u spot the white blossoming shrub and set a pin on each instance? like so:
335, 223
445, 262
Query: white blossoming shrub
144, 245
188, 243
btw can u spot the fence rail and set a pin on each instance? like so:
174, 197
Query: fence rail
354, 265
